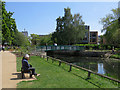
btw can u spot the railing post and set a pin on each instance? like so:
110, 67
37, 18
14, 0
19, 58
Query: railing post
40, 56
46, 47
47, 58
59, 63
43, 57
70, 68
89, 73
52, 60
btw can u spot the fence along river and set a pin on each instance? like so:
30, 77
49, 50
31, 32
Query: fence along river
108, 67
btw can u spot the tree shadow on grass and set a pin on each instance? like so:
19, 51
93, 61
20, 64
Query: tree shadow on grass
87, 79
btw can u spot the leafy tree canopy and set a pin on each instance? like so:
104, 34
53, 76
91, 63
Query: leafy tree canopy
10, 34
111, 27
69, 30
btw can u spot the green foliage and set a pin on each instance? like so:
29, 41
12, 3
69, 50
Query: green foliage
70, 29
109, 47
41, 40
46, 40
0, 37
117, 56
7, 31
111, 27
34, 39
89, 45
96, 46
24, 50
21, 40
0, 23
10, 34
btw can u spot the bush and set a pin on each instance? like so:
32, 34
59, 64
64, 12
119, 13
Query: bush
109, 47
96, 46
115, 56
117, 49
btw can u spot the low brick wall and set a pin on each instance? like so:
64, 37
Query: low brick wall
78, 53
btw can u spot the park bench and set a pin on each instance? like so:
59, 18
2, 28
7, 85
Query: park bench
22, 73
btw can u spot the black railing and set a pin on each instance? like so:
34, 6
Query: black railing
72, 65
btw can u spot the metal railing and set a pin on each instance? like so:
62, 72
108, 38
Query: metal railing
72, 65
60, 47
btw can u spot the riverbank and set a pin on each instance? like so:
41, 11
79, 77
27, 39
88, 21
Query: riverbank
78, 53
116, 56
53, 76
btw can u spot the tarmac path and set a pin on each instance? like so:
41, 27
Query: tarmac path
10, 77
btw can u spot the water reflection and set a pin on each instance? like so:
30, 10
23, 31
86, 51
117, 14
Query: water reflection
103, 66
101, 69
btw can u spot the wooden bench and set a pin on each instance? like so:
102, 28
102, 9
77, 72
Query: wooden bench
22, 73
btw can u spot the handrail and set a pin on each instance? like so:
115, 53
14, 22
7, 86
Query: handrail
89, 71
60, 47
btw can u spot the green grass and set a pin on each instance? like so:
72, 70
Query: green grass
54, 76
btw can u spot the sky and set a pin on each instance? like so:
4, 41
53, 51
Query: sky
40, 17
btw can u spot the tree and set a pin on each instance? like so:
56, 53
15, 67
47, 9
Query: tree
6, 35
79, 28
9, 27
0, 37
10, 34
69, 30
34, 39
0, 23
21, 40
45, 40
111, 27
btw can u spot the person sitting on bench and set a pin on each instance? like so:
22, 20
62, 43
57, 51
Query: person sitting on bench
27, 67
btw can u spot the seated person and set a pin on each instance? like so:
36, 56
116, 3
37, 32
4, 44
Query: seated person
27, 67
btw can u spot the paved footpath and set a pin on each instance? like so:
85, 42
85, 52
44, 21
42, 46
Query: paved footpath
10, 77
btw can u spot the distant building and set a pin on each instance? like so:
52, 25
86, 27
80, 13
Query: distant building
94, 37
99, 39
25, 33
86, 38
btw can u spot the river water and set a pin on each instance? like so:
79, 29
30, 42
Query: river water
104, 66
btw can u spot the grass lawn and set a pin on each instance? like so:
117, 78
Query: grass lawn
54, 76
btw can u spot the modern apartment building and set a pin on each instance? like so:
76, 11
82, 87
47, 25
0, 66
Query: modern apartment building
86, 38
90, 36
93, 37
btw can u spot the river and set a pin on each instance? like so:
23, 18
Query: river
104, 66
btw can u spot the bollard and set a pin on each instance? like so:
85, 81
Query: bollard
70, 68
40, 56
88, 75
59, 63
43, 57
